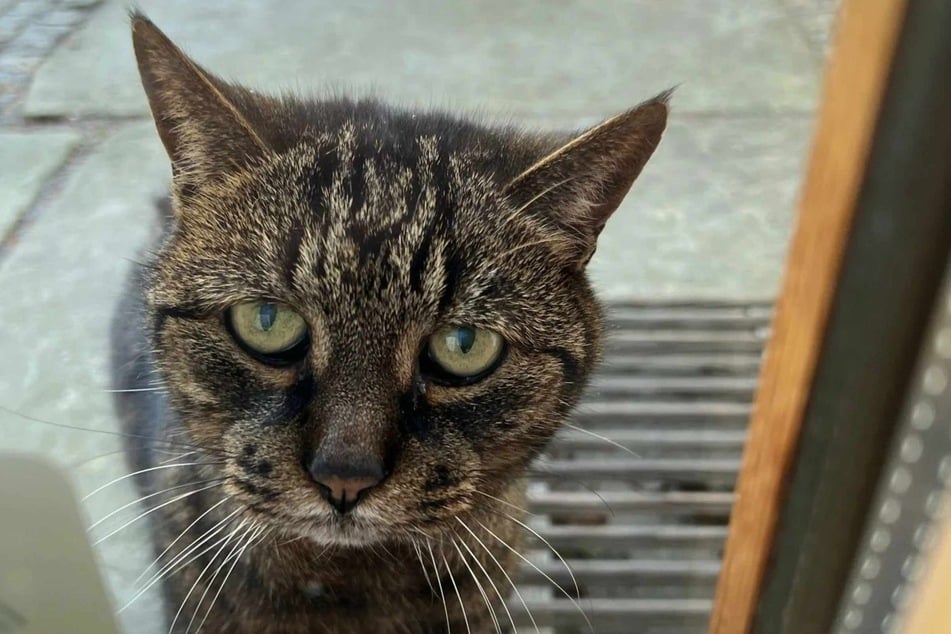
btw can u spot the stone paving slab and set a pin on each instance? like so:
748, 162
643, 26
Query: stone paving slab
816, 18
29, 30
59, 286
16, 15
5, 5
27, 160
541, 56
711, 214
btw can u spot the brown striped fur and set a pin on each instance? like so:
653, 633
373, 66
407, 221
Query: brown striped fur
377, 225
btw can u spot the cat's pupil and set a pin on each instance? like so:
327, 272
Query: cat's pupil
267, 315
465, 338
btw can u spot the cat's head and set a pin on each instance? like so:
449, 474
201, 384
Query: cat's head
374, 319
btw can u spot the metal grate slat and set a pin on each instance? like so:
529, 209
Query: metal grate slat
642, 524
633, 469
632, 413
635, 439
690, 364
663, 536
620, 571
616, 616
630, 501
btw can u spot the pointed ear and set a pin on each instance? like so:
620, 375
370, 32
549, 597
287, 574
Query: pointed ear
577, 187
203, 130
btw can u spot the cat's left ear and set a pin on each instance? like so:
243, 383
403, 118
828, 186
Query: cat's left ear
202, 121
576, 188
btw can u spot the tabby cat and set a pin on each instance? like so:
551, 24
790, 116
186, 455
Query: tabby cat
358, 325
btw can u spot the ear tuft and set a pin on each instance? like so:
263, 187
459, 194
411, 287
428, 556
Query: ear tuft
577, 187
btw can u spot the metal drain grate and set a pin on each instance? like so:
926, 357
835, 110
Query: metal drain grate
643, 534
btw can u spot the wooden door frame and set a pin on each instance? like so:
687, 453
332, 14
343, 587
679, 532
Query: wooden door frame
863, 268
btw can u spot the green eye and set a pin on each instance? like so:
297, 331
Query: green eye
267, 328
465, 352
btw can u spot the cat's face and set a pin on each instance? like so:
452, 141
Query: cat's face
353, 301
373, 265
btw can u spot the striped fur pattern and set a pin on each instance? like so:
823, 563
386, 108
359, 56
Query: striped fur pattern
377, 225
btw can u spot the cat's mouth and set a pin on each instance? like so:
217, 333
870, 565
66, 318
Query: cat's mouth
347, 530
329, 529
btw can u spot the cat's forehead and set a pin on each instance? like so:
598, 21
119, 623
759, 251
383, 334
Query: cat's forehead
362, 174
369, 225
399, 225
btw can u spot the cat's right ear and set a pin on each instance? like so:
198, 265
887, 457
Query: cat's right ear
577, 187
203, 130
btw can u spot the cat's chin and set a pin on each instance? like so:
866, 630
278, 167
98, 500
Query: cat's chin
346, 536
348, 531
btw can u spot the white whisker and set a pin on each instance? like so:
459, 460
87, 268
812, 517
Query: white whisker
419, 556
180, 535
542, 573
140, 472
547, 543
489, 578
85, 461
604, 438
237, 557
146, 497
201, 574
166, 570
452, 578
178, 457
485, 597
152, 510
442, 593
501, 501
505, 573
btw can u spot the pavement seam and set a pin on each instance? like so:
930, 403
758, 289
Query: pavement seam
28, 43
52, 187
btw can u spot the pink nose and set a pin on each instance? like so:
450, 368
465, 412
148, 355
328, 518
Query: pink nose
343, 485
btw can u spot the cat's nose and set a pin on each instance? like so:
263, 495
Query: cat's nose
343, 484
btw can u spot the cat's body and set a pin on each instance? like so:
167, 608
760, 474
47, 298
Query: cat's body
364, 477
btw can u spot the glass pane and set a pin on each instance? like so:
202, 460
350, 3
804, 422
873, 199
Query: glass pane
634, 493
908, 517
